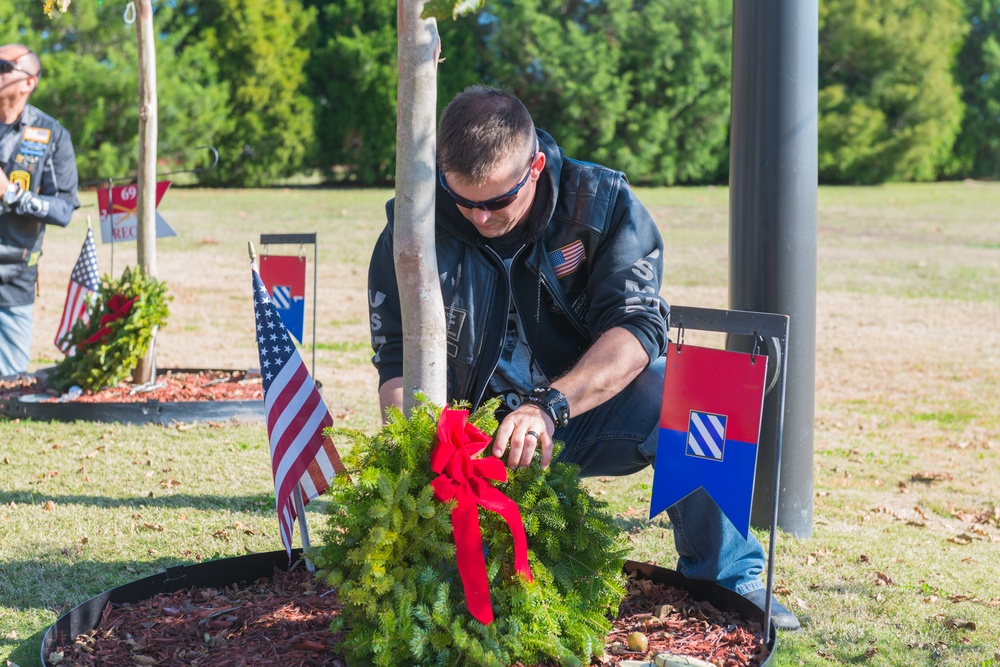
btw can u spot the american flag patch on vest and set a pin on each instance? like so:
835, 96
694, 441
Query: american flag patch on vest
567, 259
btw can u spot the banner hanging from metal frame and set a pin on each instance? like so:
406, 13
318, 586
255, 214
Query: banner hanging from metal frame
710, 429
118, 205
285, 279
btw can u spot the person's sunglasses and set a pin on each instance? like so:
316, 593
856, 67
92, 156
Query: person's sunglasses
495, 204
6, 67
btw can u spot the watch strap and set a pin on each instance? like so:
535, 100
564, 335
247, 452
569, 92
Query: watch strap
552, 402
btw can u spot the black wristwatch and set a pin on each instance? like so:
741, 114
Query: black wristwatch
552, 402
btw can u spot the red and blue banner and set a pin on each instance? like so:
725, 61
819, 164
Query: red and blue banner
118, 213
709, 429
285, 279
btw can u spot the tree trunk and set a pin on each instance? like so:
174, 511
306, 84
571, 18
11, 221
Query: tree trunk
422, 307
146, 211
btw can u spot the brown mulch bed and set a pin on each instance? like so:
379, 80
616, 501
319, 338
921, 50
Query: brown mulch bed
209, 385
285, 620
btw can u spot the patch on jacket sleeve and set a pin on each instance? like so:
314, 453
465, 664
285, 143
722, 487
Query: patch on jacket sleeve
568, 258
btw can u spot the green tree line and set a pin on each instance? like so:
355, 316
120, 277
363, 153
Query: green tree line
909, 89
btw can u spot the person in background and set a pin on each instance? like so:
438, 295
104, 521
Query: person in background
38, 182
550, 269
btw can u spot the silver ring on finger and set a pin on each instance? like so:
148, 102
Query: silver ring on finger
537, 437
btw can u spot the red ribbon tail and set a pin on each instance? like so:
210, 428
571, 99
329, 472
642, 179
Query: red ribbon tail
495, 501
471, 561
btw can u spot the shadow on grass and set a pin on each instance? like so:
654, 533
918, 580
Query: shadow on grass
261, 503
27, 651
631, 524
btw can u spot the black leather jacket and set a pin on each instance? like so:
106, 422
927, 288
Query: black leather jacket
55, 182
616, 285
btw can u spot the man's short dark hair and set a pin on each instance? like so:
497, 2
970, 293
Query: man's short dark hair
481, 130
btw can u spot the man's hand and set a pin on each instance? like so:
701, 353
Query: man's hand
27, 202
524, 430
4, 182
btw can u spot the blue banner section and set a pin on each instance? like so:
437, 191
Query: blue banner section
700, 457
292, 309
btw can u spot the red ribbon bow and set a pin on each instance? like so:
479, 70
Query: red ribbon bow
466, 479
119, 308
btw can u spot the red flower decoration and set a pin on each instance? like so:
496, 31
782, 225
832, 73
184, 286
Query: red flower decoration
119, 308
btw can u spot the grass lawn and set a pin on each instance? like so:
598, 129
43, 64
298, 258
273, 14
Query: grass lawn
907, 433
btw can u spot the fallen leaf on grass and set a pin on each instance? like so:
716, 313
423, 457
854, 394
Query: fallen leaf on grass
959, 624
6, 460
930, 476
962, 539
169, 483
49, 506
154, 526
782, 589
11, 635
883, 579
246, 529
221, 534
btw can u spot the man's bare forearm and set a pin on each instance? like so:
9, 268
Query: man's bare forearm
390, 393
611, 363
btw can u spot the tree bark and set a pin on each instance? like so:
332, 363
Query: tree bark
422, 306
146, 212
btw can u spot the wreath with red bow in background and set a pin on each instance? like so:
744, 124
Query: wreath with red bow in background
108, 346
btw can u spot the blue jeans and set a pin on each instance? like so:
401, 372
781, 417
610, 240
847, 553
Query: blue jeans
619, 438
15, 339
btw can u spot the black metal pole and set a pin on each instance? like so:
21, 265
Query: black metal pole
772, 226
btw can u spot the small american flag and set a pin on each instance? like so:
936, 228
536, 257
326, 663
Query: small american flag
83, 281
568, 258
301, 457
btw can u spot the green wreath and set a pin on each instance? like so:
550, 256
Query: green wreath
391, 555
108, 347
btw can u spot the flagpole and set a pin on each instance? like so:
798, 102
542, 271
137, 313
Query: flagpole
300, 509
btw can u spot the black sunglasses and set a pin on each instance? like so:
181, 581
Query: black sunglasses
495, 204
6, 67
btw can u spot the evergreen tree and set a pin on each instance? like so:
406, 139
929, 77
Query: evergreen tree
90, 85
353, 77
977, 150
563, 60
677, 59
260, 48
889, 106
